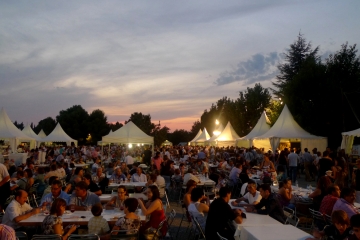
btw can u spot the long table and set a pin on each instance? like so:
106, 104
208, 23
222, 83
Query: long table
136, 184
104, 198
273, 232
111, 216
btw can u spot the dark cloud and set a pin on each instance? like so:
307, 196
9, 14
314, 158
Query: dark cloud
259, 68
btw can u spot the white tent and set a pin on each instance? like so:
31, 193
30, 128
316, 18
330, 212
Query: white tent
42, 134
58, 135
260, 128
348, 139
192, 142
202, 138
226, 138
9, 132
129, 133
286, 129
29, 132
211, 141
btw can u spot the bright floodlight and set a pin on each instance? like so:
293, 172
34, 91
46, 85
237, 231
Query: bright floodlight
216, 122
216, 132
130, 145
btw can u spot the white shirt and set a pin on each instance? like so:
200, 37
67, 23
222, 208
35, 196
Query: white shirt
3, 172
293, 159
160, 182
129, 160
14, 210
251, 199
189, 176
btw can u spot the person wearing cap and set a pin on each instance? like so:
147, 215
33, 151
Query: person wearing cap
356, 180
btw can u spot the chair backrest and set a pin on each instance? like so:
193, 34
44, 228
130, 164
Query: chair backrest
158, 230
84, 236
21, 235
124, 234
171, 217
317, 215
220, 237
198, 227
50, 237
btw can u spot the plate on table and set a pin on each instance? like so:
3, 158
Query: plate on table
105, 197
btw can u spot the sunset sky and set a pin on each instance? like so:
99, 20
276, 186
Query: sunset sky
169, 59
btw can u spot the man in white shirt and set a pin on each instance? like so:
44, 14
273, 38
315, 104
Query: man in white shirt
129, 160
293, 162
189, 176
138, 176
252, 197
18, 210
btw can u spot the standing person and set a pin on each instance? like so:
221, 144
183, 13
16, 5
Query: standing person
157, 161
293, 162
146, 155
282, 162
325, 164
356, 180
308, 159
4, 185
219, 214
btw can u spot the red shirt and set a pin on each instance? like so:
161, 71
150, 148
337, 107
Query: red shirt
327, 204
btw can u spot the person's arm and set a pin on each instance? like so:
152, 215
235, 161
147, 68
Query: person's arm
267, 210
153, 206
203, 208
26, 215
239, 200
315, 193
98, 192
5, 180
58, 230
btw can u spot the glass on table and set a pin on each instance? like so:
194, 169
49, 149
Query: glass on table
72, 208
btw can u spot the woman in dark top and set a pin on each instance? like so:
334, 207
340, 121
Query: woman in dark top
244, 175
320, 191
168, 169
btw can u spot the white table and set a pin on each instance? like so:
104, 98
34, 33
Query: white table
136, 184
204, 180
104, 198
281, 232
19, 158
75, 217
41, 165
81, 164
299, 191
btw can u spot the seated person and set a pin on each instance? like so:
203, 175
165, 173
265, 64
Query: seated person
189, 175
177, 176
268, 205
285, 194
355, 225
252, 197
55, 193
340, 228
328, 202
48, 188
346, 202
219, 215
130, 221
138, 176
82, 198
52, 224
117, 176
118, 201
22, 181
97, 224
92, 187
133, 169
7, 232
198, 209
100, 179
244, 175
18, 210
190, 185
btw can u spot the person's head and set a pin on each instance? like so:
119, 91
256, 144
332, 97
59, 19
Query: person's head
87, 178
265, 190
58, 207
53, 167
56, 188
348, 194
238, 165
325, 153
334, 190
153, 193
287, 183
21, 196
29, 173
139, 170
251, 187
341, 220
177, 171
99, 171
225, 193
52, 179
79, 171
191, 184
118, 171
41, 170
131, 205
196, 194
20, 174
123, 165
355, 224
122, 192
96, 209
81, 189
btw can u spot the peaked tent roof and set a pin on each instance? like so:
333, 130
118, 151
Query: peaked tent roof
260, 128
42, 134
8, 129
203, 136
29, 132
58, 135
286, 127
220, 129
197, 135
355, 133
129, 133
228, 134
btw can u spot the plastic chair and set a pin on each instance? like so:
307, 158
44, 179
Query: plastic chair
185, 216
220, 237
125, 234
170, 220
50, 237
198, 227
21, 235
318, 219
84, 236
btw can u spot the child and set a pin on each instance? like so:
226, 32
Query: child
355, 224
339, 230
97, 224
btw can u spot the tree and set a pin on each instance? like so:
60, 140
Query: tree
142, 121
179, 136
19, 125
47, 125
97, 125
299, 51
115, 126
195, 129
160, 134
274, 109
73, 121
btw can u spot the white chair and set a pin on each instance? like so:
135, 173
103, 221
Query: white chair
243, 189
220, 237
